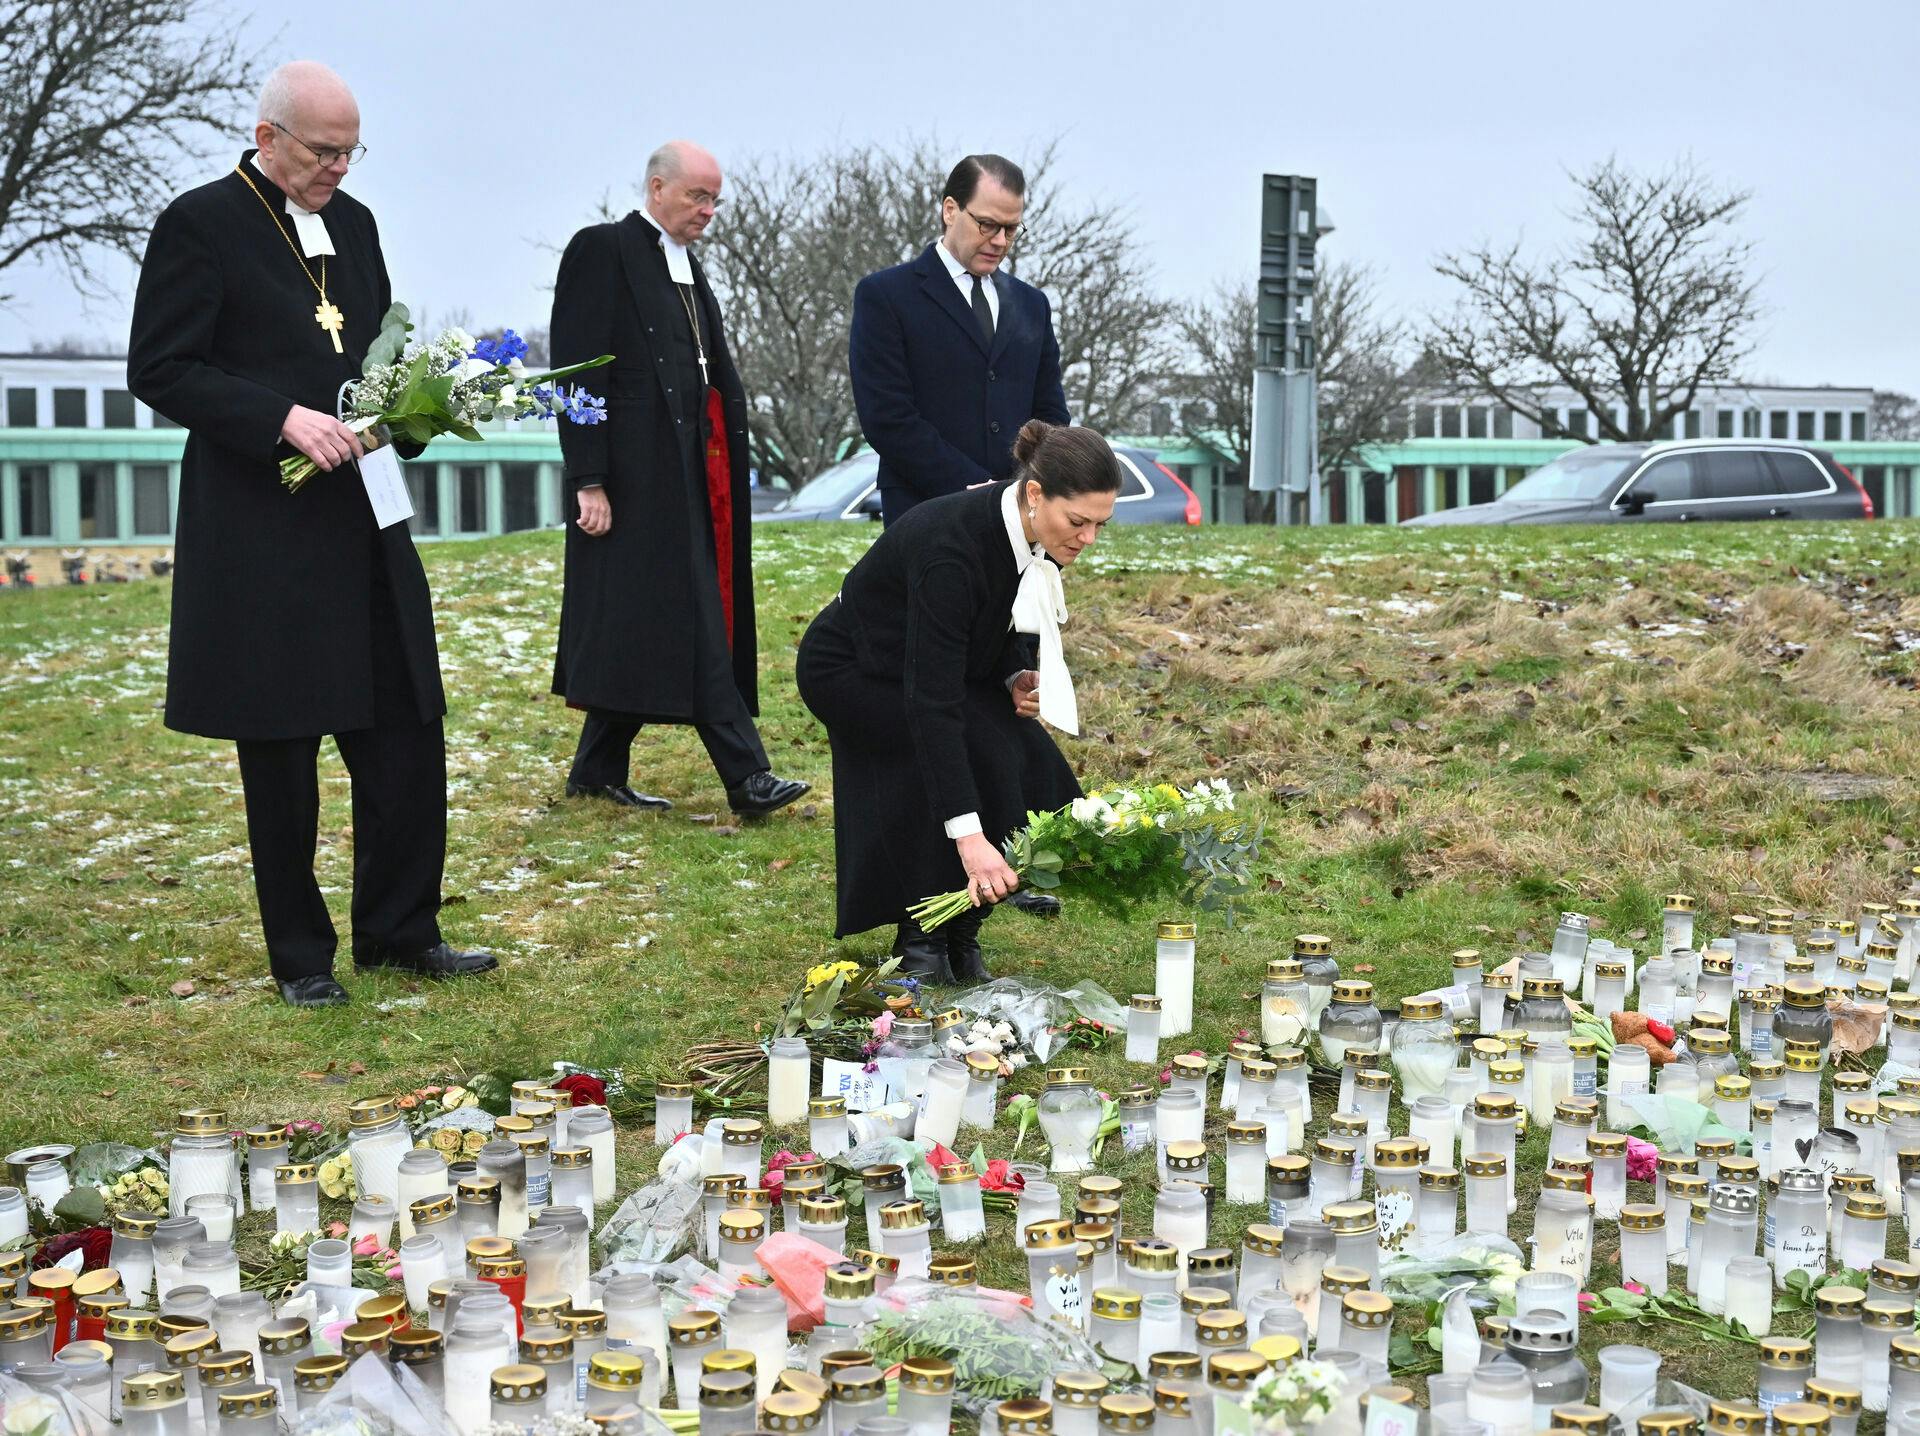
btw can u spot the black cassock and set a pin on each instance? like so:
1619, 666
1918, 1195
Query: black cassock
643, 628
918, 643
294, 617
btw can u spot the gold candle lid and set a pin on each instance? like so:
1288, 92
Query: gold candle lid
1366, 1309
882, 1178
318, 1373
579, 1321
1786, 1351
372, 1111
1668, 1423
1735, 1418
201, 1122
284, 1336
416, 1344
826, 1108
791, 1410
364, 1336
146, 1390
903, 1215
953, 1269
1117, 1303
1486, 1164
745, 1225
1642, 1217
1176, 931
1353, 989
1837, 1399
1588, 1420
857, 1383
694, 1326
187, 1348
481, 1249
1150, 1255
518, 1385
727, 1358
617, 1370
1025, 1416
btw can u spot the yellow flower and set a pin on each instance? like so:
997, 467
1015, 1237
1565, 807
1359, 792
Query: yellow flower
457, 1097
446, 1139
827, 971
336, 1178
472, 1142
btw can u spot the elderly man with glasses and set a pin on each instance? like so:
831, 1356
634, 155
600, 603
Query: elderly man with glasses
950, 354
296, 616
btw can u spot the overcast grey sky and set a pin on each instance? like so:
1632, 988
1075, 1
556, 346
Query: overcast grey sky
495, 128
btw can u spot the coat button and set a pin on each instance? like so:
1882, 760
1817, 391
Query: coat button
994, 427
991, 376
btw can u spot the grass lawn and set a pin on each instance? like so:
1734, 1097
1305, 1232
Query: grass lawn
1451, 736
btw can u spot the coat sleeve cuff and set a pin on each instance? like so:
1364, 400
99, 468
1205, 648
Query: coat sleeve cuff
964, 826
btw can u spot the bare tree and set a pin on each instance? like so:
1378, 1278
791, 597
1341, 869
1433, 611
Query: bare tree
1363, 378
100, 101
1218, 334
1649, 303
799, 233
1895, 416
1365, 381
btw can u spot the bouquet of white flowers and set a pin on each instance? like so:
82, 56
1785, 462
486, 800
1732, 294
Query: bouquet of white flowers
1126, 846
1290, 1398
450, 384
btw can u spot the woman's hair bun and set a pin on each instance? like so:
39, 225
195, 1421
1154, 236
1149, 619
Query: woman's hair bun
1032, 435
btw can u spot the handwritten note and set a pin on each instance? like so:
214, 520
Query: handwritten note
863, 1090
1389, 1418
386, 487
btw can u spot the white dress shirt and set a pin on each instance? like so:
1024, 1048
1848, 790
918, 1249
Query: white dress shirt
964, 279
679, 264
308, 227
1039, 608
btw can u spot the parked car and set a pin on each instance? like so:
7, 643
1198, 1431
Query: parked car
1150, 493
1681, 482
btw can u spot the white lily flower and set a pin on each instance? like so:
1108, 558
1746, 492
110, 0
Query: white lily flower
506, 398
517, 369
473, 368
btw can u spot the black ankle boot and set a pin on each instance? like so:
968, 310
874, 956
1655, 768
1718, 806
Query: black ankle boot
923, 955
964, 957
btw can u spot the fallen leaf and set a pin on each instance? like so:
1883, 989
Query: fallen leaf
183, 988
1363, 967
358, 1069
779, 865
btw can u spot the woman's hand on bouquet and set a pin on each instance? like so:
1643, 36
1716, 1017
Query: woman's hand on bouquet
1026, 693
989, 877
321, 437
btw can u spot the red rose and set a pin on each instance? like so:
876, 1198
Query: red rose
586, 1089
998, 1177
95, 1242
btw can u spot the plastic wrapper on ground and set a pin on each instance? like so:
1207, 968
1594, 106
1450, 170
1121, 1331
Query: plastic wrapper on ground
1034, 1009
376, 1398
1486, 1265
653, 1226
26, 1412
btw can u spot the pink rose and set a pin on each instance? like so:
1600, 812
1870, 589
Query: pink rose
367, 1245
1641, 1157
336, 1229
883, 1025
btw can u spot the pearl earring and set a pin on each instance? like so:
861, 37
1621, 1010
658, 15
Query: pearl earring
1030, 513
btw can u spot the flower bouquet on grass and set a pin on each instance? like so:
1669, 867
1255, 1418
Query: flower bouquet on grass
1127, 846
450, 384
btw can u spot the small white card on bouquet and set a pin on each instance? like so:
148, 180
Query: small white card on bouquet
386, 487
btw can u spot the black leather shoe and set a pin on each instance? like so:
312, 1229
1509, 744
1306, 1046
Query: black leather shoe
763, 793
923, 955
964, 959
317, 991
440, 960
1034, 904
622, 796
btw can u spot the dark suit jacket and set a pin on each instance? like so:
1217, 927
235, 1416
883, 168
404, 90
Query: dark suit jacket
938, 404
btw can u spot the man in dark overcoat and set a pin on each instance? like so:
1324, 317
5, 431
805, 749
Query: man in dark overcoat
294, 614
657, 619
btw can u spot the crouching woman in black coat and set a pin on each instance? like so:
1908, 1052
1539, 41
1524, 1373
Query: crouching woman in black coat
919, 675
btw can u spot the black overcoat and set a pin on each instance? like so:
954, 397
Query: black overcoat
641, 631
908, 670
272, 617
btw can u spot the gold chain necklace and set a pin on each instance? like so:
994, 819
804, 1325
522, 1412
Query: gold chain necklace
326, 314
699, 345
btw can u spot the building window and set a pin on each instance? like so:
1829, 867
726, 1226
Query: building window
1805, 427
116, 409
99, 515
473, 499
69, 408
1857, 426
1480, 485
36, 501
1777, 424
23, 408
423, 487
1449, 421
1449, 487
1502, 422
1749, 423
1723, 423
1477, 422
519, 497
1830, 425
152, 499
1578, 421
1423, 422
1693, 423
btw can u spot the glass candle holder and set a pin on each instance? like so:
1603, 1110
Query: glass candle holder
214, 1265
171, 1238
266, 1149
1155, 1265
422, 1174
1246, 1162
377, 1140
1173, 977
789, 1079
130, 1254
1332, 1174
200, 1159
1749, 1295
756, 1321
672, 1112
962, 1216
939, 1119
373, 1216
1143, 1028
573, 1179
827, 1126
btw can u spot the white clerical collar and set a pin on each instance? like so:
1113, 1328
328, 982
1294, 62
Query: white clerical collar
307, 224
679, 263
1024, 553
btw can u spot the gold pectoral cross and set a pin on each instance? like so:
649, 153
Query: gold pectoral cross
328, 316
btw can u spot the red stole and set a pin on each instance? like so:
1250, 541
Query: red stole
720, 502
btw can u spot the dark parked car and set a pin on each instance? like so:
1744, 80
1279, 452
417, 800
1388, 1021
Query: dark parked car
1675, 482
1150, 493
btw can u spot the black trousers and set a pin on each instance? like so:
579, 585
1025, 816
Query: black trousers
399, 772
603, 758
